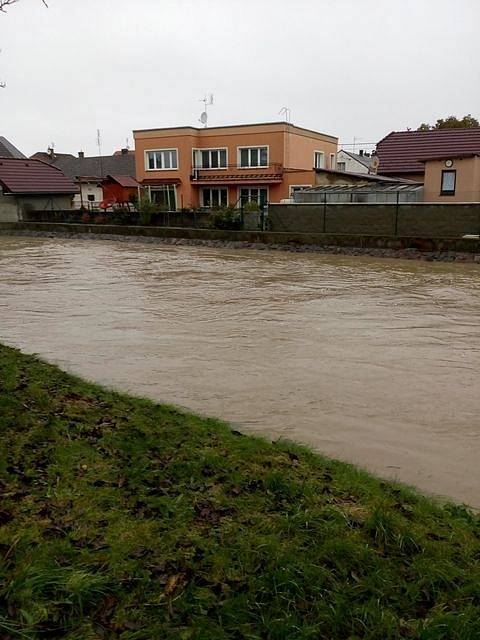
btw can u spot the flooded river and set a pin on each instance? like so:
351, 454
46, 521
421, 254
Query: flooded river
371, 360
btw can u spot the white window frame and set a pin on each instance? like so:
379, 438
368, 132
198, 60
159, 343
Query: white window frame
160, 187
249, 147
448, 192
343, 166
333, 161
209, 149
250, 187
206, 206
147, 151
322, 154
297, 186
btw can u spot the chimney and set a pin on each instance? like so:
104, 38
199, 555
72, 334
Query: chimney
81, 154
124, 151
51, 152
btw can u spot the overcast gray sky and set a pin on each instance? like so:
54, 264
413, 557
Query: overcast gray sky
351, 68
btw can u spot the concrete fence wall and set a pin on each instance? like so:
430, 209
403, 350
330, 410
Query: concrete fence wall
8, 209
292, 239
413, 219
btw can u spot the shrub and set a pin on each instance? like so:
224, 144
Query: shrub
251, 207
146, 209
226, 218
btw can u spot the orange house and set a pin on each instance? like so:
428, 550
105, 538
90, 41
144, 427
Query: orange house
185, 167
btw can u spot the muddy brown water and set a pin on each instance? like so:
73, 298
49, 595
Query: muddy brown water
373, 361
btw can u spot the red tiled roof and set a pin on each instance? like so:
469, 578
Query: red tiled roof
33, 177
403, 151
124, 181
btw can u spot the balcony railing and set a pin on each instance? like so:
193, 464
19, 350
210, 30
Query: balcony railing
273, 172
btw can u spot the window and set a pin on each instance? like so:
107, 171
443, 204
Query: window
253, 156
210, 158
91, 197
215, 197
333, 163
165, 196
319, 160
162, 159
254, 194
449, 179
341, 166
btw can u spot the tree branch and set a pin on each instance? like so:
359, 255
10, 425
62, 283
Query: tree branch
7, 3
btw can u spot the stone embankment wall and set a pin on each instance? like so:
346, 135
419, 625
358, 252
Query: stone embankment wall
445, 249
414, 219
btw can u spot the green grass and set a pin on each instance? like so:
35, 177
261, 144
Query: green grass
124, 519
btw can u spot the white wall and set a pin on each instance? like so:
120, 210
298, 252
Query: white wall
88, 189
351, 165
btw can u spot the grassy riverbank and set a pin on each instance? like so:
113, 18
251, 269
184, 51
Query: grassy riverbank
120, 518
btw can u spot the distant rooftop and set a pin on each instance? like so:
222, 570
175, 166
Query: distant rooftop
7, 150
124, 181
365, 160
403, 151
33, 177
94, 167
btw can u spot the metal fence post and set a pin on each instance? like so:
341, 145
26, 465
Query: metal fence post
395, 233
324, 213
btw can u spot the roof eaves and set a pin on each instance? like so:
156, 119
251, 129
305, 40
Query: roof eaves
235, 126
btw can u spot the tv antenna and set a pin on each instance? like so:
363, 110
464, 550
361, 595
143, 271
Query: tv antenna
99, 144
208, 102
285, 111
2, 84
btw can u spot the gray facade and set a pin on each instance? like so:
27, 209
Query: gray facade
12, 207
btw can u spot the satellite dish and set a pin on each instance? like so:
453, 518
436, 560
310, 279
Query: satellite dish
204, 118
374, 164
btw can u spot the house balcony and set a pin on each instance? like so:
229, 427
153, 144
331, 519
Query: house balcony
235, 175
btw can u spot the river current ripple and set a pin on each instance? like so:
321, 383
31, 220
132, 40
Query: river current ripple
374, 361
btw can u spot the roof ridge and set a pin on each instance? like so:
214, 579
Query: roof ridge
445, 129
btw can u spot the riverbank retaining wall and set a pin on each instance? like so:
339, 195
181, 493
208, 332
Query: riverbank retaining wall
290, 240
412, 219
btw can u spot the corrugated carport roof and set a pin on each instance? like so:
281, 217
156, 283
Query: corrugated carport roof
365, 188
33, 177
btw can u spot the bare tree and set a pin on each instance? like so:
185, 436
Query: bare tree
7, 3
